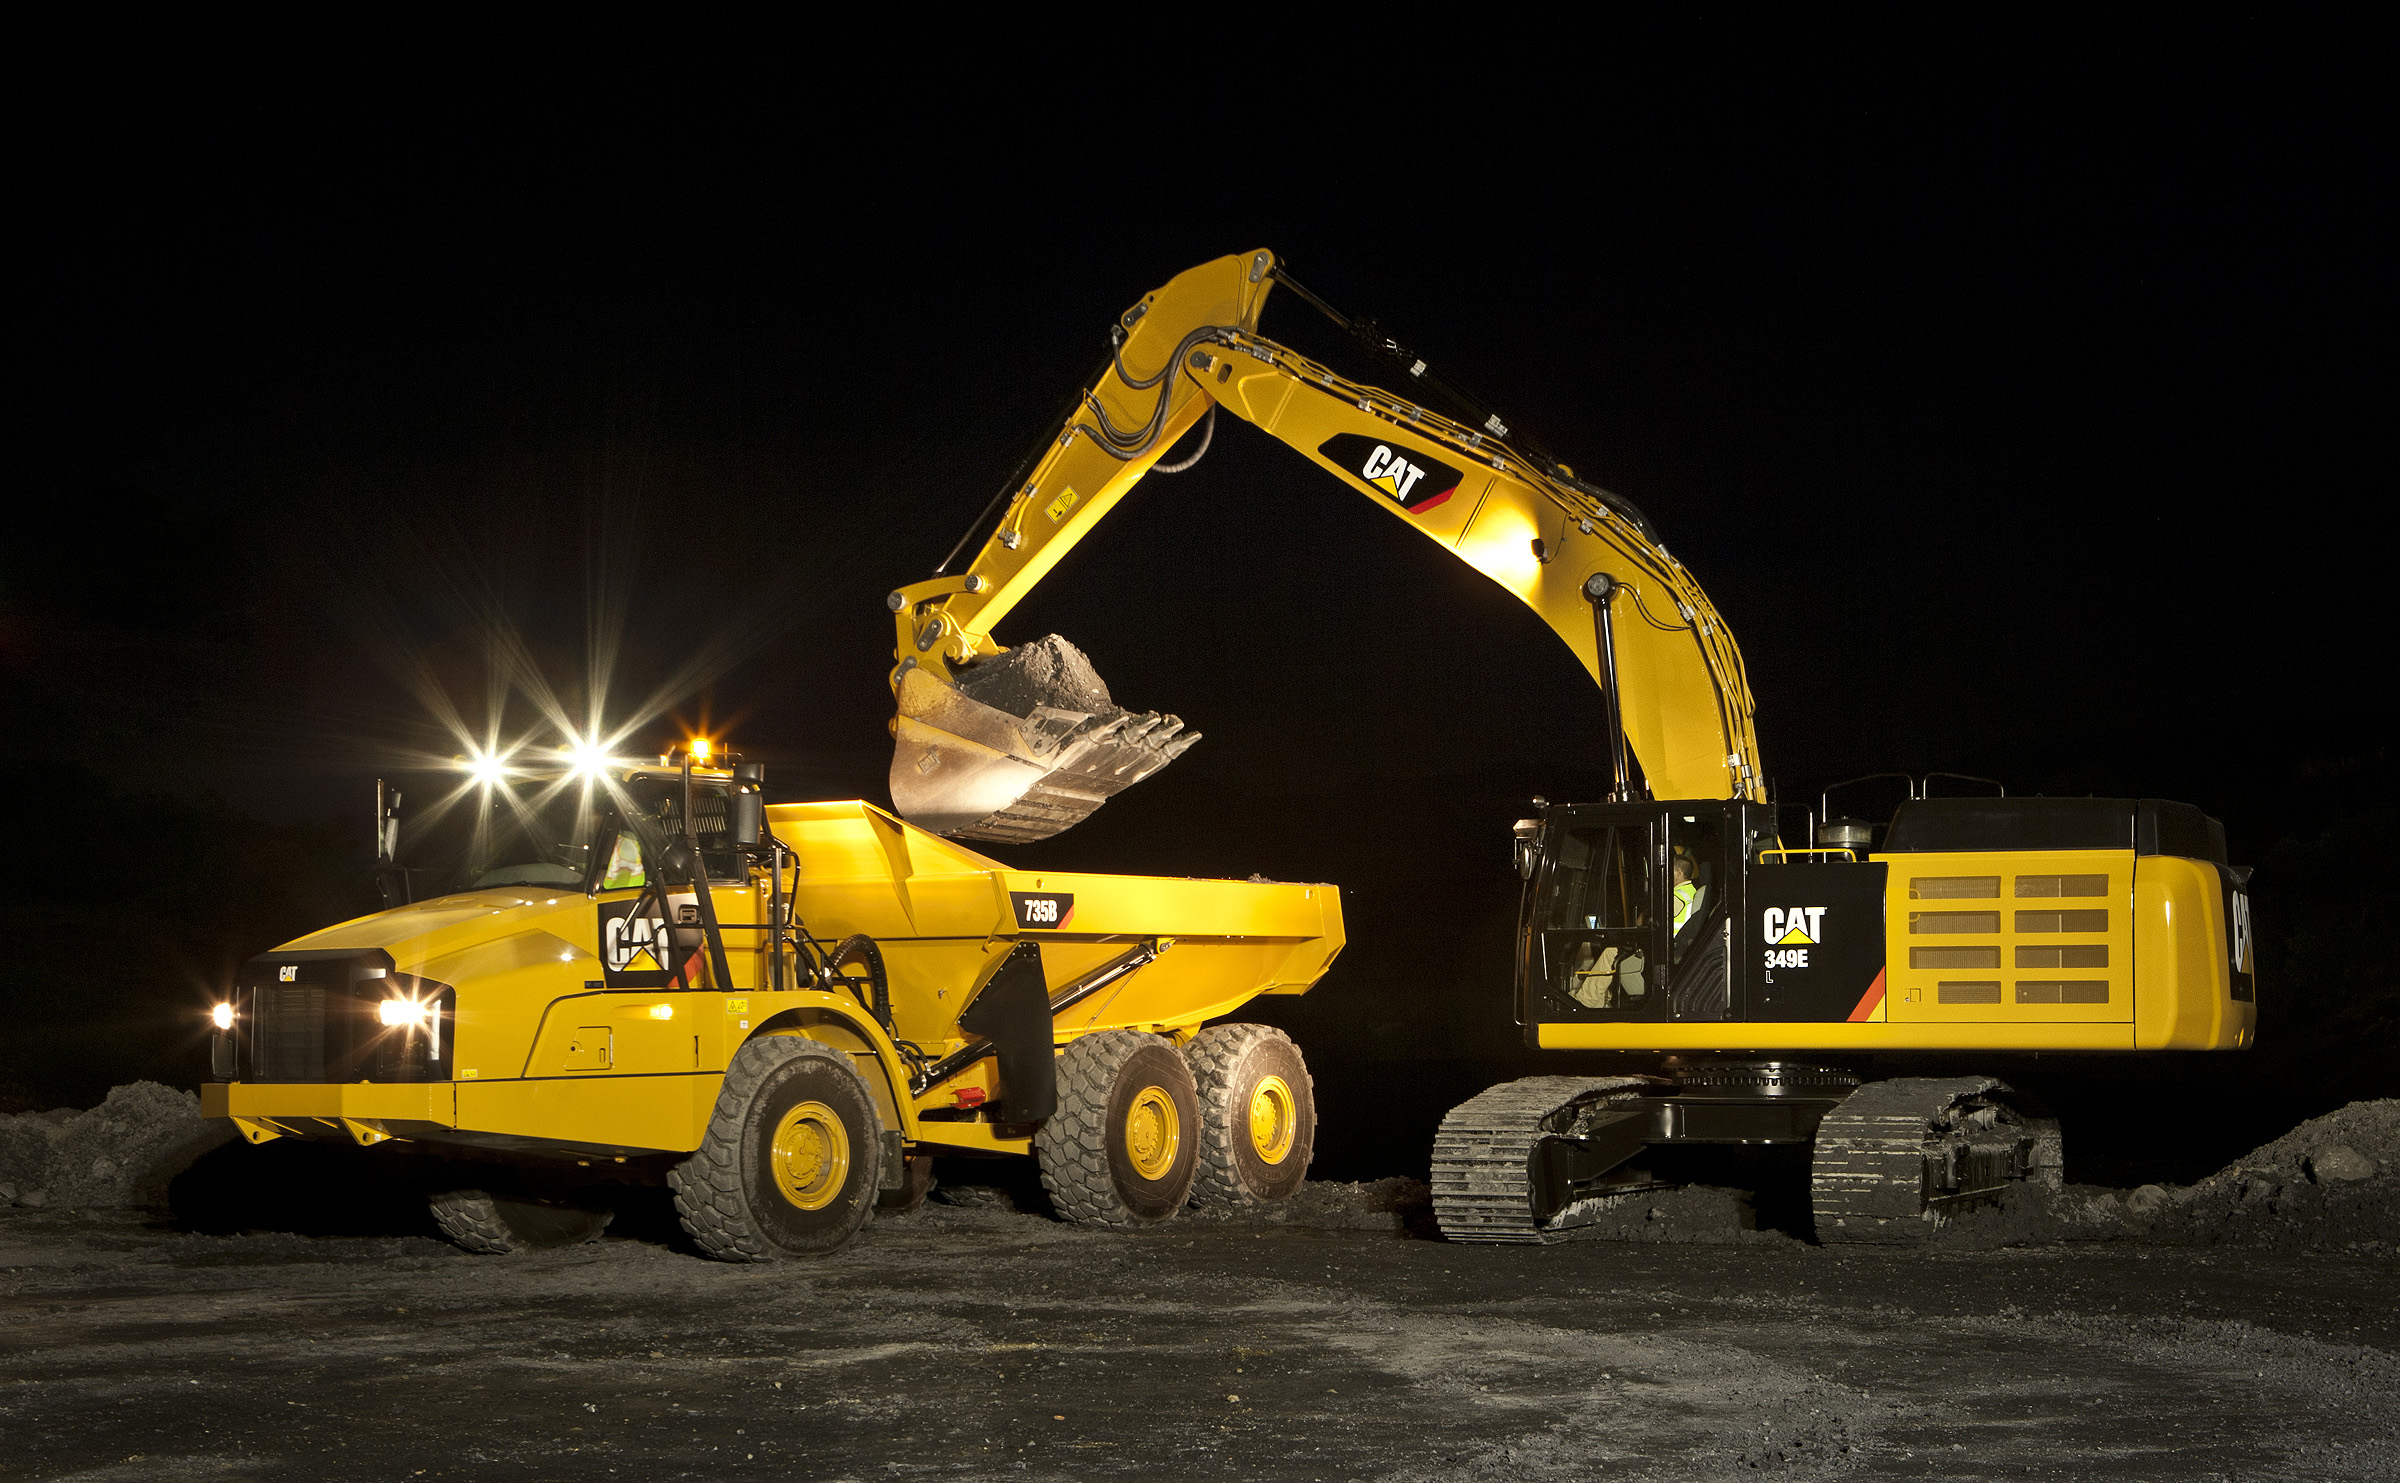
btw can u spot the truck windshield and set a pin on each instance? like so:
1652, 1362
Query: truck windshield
529, 841
544, 834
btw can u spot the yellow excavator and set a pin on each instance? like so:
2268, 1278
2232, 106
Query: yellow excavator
1671, 917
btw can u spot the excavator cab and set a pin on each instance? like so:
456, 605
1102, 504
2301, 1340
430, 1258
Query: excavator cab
1599, 937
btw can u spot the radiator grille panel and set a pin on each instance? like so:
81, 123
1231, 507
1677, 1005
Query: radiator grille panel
1954, 957
2063, 921
2062, 885
290, 1033
1953, 887
1923, 922
1968, 993
2065, 955
2072, 992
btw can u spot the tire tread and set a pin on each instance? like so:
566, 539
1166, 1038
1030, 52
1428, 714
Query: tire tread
1072, 1143
1215, 1056
708, 1184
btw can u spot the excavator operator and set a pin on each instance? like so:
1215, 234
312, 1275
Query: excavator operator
1687, 894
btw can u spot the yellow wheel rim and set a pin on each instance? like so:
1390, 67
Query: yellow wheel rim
810, 1155
1152, 1132
1274, 1122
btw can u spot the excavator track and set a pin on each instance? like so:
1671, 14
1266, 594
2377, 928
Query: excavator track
1898, 1158
1483, 1158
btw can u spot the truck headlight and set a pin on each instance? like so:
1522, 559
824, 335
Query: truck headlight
404, 1012
222, 1016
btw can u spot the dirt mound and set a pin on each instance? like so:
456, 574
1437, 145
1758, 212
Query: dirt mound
1373, 1205
120, 1153
1694, 1215
2331, 1184
1049, 671
1327, 1205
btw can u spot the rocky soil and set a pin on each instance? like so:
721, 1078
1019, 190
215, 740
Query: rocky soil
306, 1324
123, 1153
1049, 671
2331, 1184
978, 1342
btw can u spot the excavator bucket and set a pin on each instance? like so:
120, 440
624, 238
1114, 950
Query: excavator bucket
1026, 745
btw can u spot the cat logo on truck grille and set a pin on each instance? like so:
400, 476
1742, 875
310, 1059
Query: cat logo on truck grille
1402, 475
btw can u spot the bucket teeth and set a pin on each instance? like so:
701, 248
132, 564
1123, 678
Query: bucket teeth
973, 771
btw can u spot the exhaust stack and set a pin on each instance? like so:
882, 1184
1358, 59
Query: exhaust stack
1026, 745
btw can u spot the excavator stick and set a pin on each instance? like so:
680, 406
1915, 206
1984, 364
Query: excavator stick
1026, 745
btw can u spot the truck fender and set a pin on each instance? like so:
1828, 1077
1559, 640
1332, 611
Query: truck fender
864, 1042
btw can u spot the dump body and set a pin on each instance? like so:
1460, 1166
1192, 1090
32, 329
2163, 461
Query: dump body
535, 1042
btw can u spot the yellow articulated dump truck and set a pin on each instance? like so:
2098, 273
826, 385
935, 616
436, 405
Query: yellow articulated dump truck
785, 1012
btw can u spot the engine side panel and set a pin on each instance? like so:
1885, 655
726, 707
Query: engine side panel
2013, 937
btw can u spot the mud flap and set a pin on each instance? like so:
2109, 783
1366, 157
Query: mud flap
1013, 1013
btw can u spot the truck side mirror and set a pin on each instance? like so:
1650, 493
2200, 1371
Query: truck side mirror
749, 821
1529, 835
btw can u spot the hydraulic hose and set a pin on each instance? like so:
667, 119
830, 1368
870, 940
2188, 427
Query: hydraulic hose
1208, 432
877, 994
1126, 444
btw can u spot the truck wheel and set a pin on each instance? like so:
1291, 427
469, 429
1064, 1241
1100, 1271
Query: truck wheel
496, 1225
792, 1156
1258, 1114
1123, 1146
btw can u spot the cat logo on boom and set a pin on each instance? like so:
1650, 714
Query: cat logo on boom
1406, 477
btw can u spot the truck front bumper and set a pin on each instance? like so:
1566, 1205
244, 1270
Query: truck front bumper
368, 1112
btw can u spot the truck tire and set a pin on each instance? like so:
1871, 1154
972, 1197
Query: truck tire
1258, 1115
497, 1225
792, 1157
1123, 1146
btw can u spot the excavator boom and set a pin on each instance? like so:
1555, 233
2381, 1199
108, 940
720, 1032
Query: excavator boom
994, 743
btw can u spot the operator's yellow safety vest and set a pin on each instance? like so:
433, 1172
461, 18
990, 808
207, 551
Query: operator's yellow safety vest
1686, 896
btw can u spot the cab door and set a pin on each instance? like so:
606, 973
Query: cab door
1594, 925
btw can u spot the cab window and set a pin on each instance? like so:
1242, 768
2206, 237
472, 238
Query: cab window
1601, 878
624, 867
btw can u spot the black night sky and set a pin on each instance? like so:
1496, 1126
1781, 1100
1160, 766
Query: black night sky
2012, 392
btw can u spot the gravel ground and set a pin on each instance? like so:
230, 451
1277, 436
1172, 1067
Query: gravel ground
968, 1342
